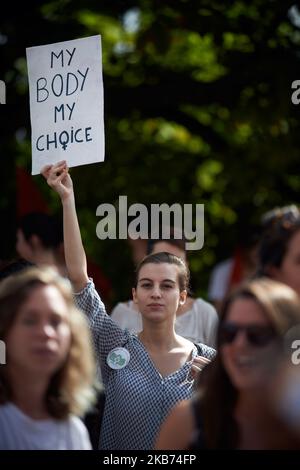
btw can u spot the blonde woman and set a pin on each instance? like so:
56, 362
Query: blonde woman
49, 372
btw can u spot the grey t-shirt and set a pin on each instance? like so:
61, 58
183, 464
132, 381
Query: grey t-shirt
20, 432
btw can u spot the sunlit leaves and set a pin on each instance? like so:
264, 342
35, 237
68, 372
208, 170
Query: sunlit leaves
207, 174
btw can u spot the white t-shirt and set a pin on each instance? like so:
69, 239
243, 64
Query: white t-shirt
20, 432
219, 280
199, 324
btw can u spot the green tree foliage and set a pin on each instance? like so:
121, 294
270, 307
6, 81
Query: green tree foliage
197, 110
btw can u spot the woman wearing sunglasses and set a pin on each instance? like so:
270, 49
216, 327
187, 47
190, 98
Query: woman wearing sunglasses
232, 407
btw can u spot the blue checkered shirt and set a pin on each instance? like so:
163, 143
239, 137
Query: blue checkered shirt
138, 398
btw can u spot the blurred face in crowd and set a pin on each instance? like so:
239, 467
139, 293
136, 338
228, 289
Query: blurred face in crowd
289, 271
39, 340
247, 344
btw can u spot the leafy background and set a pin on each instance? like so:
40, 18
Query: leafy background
198, 109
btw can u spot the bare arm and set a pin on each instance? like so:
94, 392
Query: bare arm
180, 418
58, 178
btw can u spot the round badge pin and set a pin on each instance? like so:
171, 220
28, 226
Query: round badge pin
118, 358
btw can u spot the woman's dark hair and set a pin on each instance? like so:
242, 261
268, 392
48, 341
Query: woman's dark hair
179, 243
217, 395
163, 257
279, 226
14, 267
47, 228
174, 236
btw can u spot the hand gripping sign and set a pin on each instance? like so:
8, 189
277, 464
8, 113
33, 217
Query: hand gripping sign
66, 102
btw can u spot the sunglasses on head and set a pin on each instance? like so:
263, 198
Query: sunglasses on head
256, 335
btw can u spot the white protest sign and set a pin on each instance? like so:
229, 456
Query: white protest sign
66, 102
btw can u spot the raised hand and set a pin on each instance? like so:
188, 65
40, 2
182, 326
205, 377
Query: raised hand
58, 178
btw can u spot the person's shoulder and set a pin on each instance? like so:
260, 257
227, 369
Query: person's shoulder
224, 264
9, 409
76, 423
79, 432
122, 307
204, 304
186, 343
5, 406
204, 307
222, 268
180, 417
6, 410
77, 426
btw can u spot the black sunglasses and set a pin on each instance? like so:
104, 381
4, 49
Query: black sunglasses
256, 335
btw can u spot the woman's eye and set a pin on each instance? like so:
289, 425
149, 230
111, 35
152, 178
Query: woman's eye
55, 322
146, 285
167, 286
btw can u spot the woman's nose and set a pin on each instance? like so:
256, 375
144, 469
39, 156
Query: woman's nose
46, 330
240, 338
156, 291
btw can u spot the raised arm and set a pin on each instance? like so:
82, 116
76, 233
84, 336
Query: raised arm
59, 179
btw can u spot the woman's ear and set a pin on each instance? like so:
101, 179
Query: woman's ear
35, 242
134, 298
183, 296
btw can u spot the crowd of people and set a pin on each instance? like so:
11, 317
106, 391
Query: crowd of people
164, 370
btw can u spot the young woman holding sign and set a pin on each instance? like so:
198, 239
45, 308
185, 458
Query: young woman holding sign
144, 375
